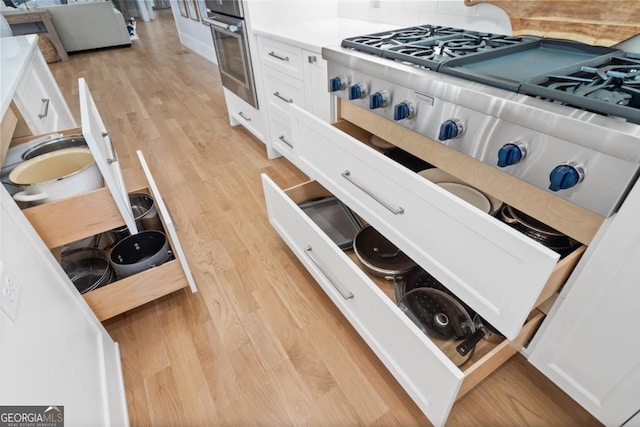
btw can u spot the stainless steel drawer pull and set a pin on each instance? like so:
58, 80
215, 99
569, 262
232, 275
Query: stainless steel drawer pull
281, 58
277, 95
114, 155
283, 139
342, 292
44, 110
241, 114
396, 211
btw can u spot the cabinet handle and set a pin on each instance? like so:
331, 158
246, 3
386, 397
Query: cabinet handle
396, 211
114, 155
343, 293
312, 59
281, 58
277, 95
44, 110
241, 114
282, 138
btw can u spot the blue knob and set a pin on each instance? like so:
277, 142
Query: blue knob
336, 84
449, 130
376, 101
509, 154
356, 91
402, 111
564, 176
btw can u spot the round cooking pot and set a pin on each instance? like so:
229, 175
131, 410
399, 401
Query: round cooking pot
145, 214
69, 141
381, 258
56, 175
88, 268
537, 230
139, 252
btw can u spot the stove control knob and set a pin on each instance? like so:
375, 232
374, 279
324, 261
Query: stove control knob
378, 100
357, 91
450, 129
337, 83
510, 154
402, 111
565, 176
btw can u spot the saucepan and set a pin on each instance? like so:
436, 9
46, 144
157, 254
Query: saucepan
139, 252
88, 268
382, 258
56, 175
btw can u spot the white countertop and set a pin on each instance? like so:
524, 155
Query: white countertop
313, 35
15, 54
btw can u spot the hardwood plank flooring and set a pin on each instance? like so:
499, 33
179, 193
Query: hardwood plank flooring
260, 343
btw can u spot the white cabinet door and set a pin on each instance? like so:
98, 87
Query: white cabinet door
590, 344
319, 100
167, 219
40, 101
99, 141
53, 350
493, 268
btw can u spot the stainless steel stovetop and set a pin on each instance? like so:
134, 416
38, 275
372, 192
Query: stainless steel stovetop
560, 115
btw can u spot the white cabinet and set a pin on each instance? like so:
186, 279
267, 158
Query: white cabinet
39, 99
497, 271
291, 75
241, 113
54, 350
589, 345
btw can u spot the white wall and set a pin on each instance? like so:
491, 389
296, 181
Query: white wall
453, 13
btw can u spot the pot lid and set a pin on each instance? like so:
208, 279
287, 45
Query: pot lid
441, 315
377, 252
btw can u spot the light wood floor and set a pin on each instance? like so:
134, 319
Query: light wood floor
259, 344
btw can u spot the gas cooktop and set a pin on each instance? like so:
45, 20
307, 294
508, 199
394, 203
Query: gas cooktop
598, 79
561, 115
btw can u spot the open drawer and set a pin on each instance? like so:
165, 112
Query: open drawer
74, 218
432, 380
495, 269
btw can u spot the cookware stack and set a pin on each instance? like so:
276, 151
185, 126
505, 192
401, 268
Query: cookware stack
450, 323
62, 166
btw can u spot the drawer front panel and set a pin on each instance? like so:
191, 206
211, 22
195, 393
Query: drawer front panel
281, 137
245, 114
492, 267
429, 377
37, 103
282, 90
281, 56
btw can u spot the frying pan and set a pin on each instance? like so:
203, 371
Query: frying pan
382, 258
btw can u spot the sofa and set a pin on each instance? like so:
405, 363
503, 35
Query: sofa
91, 25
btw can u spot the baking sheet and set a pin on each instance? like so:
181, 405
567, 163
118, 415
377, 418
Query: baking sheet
334, 218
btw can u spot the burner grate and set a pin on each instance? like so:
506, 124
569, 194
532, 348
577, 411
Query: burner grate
611, 88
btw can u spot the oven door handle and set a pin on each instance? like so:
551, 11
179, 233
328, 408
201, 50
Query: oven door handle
221, 25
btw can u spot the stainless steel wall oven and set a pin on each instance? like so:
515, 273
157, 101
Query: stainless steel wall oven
228, 28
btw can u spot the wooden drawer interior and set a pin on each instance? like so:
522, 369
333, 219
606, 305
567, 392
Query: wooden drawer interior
69, 220
487, 356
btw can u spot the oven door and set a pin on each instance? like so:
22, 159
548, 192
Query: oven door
234, 61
